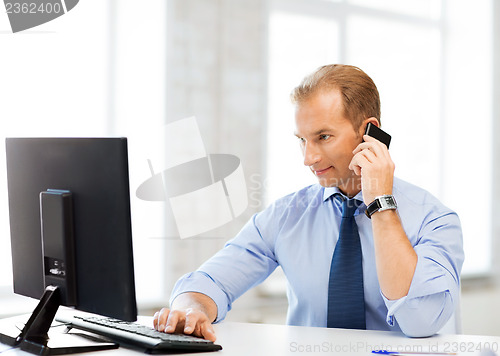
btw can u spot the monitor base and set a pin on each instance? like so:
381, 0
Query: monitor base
34, 337
70, 343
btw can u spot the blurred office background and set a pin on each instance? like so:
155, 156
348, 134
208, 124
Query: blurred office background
126, 68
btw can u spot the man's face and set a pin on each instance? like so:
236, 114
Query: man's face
327, 140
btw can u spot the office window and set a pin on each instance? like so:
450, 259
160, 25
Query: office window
97, 71
296, 46
425, 9
51, 87
432, 63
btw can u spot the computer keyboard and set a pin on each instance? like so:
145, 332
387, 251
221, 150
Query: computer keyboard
135, 335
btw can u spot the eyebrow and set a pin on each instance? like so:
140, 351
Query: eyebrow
317, 133
322, 131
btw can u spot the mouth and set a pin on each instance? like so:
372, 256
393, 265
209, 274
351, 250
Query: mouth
321, 172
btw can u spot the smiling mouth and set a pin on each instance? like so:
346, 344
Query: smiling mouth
320, 172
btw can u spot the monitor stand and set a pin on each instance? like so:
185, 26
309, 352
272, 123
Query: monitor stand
34, 336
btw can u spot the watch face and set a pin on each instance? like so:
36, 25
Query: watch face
388, 201
381, 203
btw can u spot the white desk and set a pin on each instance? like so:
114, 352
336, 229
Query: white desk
244, 339
258, 339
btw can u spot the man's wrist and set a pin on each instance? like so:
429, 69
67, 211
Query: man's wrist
381, 203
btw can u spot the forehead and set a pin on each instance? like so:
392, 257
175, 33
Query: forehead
326, 99
322, 111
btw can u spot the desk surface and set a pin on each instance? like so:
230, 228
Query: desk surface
255, 339
274, 340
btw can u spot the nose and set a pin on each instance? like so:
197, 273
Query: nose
311, 154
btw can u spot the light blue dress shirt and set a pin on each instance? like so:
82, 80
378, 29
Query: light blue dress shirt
298, 232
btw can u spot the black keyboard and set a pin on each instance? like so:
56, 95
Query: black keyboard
135, 335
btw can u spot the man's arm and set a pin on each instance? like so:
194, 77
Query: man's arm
190, 313
205, 296
420, 284
394, 255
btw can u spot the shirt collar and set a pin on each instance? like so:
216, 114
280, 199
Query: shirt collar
330, 191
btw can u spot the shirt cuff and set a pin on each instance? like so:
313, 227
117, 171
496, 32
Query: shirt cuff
201, 282
392, 307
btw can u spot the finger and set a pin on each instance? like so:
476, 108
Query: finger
174, 319
192, 319
367, 146
155, 320
355, 168
369, 155
380, 150
370, 142
358, 162
207, 331
162, 318
360, 147
368, 138
377, 146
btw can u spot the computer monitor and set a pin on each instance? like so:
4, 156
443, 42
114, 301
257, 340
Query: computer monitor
71, 239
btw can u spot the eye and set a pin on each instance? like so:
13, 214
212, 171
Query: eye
324, 137
301, 139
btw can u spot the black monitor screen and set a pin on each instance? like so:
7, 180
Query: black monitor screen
95, 171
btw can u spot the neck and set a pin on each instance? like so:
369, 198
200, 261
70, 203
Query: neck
351, 187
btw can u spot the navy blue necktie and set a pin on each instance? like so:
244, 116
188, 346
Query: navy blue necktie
346, 299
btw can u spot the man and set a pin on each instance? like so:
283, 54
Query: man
410, 253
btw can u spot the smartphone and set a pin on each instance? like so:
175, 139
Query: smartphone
379, 134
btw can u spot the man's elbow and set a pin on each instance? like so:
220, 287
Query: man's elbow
418, 331
431, 315
422, 325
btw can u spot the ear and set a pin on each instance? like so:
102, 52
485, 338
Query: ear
372, 120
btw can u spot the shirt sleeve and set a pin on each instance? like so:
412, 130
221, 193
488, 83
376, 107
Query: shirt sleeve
434, 291
244, 262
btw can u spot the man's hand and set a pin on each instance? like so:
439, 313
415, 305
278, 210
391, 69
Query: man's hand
373, 162
191, 313
189, 321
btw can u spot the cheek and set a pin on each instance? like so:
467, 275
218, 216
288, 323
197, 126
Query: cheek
349, 146
341, 160
341, 153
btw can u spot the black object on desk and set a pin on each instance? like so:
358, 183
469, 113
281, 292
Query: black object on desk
71, 235
138, 336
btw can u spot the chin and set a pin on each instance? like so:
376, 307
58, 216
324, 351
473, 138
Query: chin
328, 182
349, 183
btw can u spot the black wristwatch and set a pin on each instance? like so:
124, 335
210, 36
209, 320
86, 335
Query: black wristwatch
381, 203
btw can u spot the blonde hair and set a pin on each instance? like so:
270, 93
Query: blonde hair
359, 93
